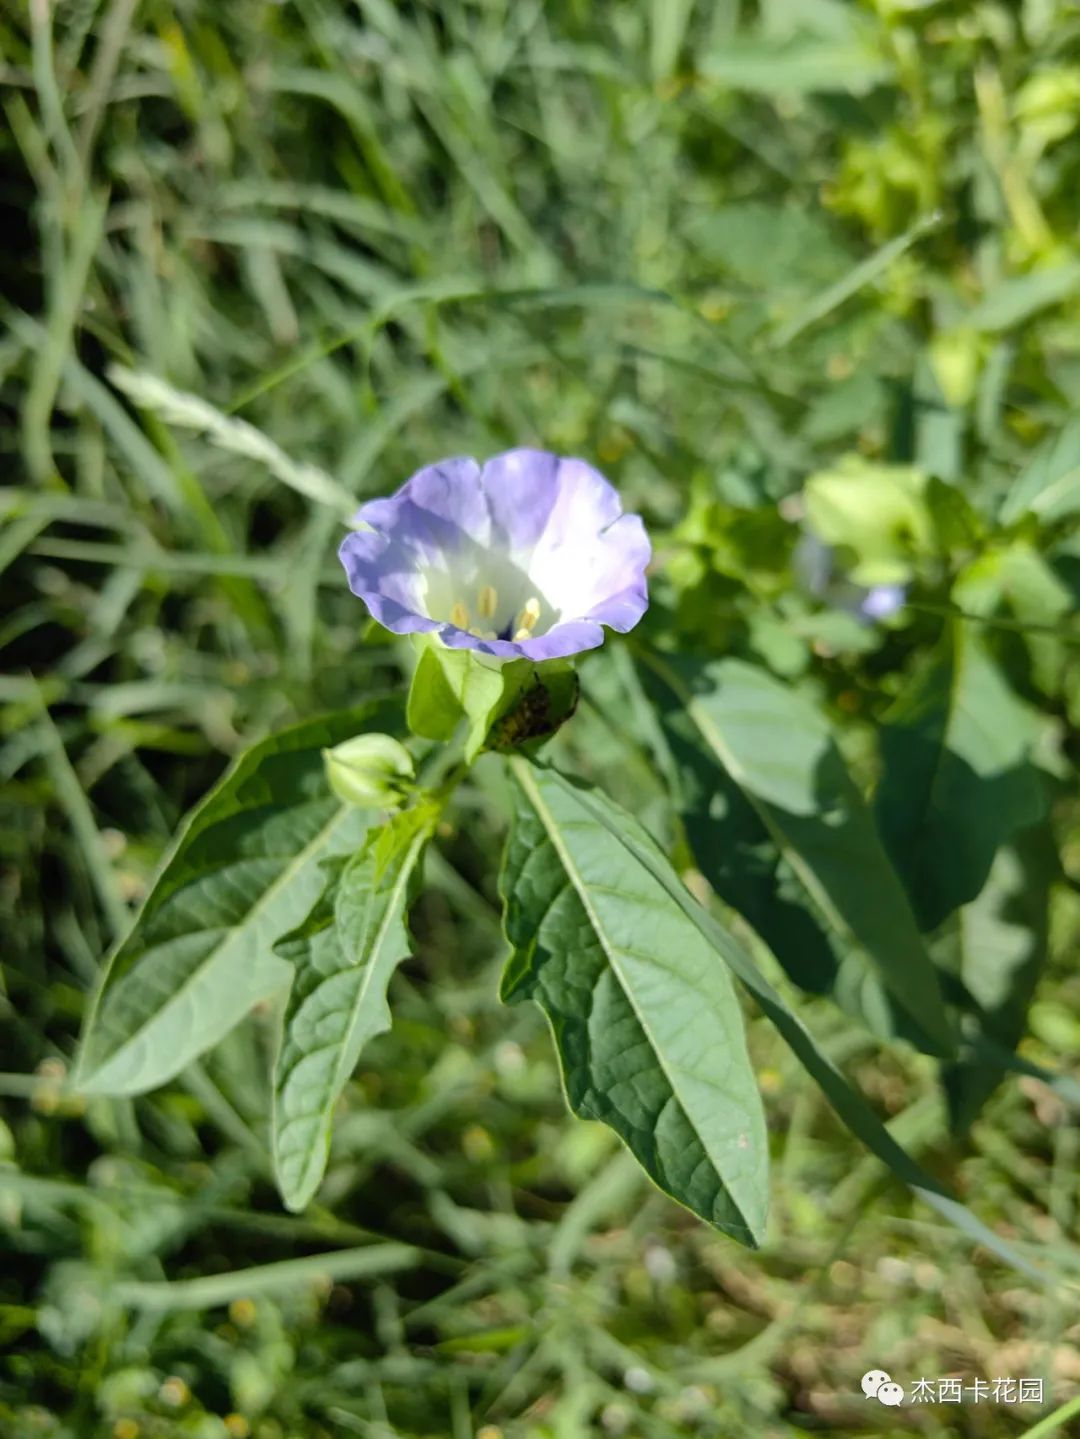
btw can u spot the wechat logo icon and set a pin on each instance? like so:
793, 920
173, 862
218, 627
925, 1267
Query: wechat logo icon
876, 1384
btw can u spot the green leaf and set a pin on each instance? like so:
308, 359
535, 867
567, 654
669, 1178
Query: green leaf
768, 246
1020, 296
342, 956
804, 64
505, 703
451, 685
648, 1029
849, 1105
244, 869
957, 779
1050, 485
781, 831
434, 710
996, 948
875, 516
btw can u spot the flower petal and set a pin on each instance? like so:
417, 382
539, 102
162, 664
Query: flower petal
544, 537
436, 513
563, 640
382, 572
522, 487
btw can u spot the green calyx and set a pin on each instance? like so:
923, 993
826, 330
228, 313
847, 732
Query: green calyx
504, 705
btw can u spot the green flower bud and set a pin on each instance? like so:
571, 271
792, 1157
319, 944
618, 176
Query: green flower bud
370, 770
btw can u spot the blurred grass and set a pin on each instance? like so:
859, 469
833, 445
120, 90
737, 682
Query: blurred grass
712, 246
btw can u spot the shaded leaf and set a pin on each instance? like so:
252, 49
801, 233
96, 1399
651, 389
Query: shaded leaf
996, 948
244, 869
781, 831
647, 1025
957, 779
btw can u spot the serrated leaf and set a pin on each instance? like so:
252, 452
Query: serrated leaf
957, 779
780, 829
244, 869
996, 947
645, 1019
342, 957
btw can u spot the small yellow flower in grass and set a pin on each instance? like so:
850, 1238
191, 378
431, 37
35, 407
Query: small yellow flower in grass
125, 1429
237, 1426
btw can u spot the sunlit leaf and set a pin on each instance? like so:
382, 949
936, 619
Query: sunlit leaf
342, 956
849, 1105
245, 869
647, 1025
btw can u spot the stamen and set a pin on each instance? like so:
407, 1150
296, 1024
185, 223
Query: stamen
530, 613
522, 634
459, 616
487, 601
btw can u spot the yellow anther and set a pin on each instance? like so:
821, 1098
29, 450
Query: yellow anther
487, 601
459, 616
530, 613
522, 634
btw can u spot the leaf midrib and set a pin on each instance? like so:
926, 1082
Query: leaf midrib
547, 819
382, 931
316, 843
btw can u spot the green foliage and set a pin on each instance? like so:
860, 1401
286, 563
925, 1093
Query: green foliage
996, 946
1049, 487
780, 829
245, 869
645, 1018
342, 956
958, 780
263, 262
502, 705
